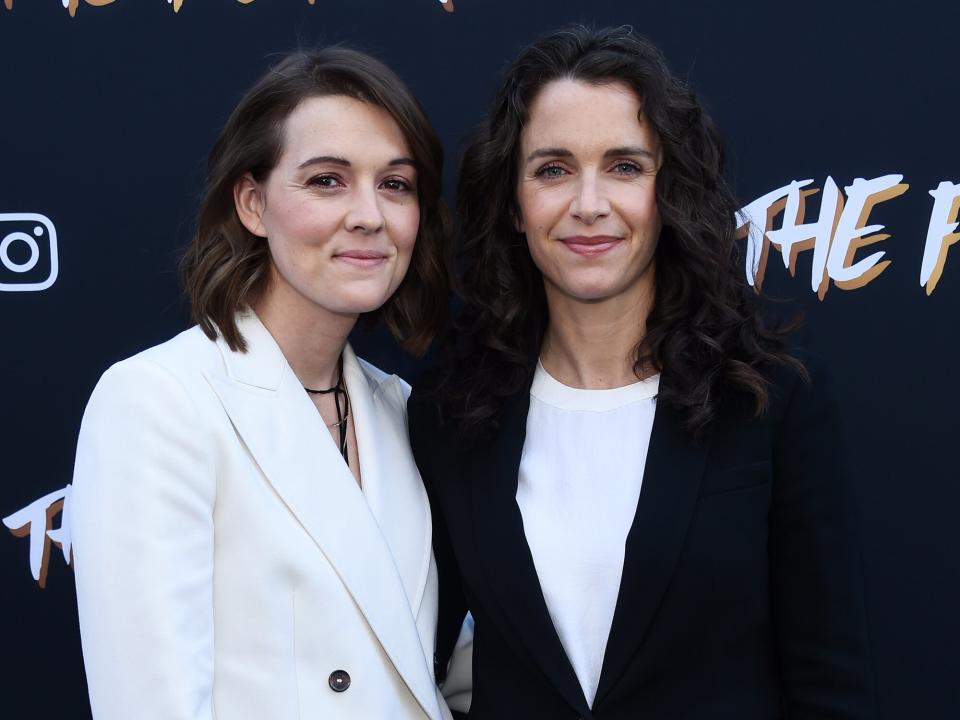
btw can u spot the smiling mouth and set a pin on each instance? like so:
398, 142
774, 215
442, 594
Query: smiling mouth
362, 258
589, 246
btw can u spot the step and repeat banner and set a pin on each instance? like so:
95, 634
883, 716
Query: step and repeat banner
841, 127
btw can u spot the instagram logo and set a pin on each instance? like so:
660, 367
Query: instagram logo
28, 252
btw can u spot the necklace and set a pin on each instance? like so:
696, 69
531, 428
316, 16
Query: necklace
339, 391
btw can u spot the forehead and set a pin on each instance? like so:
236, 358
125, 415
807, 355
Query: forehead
342, 126
574, 114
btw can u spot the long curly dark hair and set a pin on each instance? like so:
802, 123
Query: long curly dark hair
704, 334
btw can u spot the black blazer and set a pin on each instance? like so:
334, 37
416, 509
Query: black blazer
741, 594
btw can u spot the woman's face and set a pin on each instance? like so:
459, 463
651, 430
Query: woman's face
339, 211
586, 192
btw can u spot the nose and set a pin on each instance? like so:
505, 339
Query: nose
364, 215
589, 204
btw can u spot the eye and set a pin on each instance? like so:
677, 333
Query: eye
550, 172
627, 168
325, 182
397, 185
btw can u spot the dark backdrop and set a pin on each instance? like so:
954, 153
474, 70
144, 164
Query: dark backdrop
105, 120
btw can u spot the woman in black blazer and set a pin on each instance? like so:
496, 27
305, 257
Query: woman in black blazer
600, 261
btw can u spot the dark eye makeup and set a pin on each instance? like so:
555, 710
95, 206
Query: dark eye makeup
398, 185
325, 181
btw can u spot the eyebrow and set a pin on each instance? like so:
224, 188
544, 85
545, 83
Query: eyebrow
629, 150
612, 152
343, 162
549, 152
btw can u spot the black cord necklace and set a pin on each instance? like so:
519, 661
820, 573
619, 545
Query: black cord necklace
339, 392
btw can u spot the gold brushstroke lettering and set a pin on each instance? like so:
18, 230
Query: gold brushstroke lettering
852, 234
764, 208
795, 236
71, 5
838, 233
941, 233
36, 522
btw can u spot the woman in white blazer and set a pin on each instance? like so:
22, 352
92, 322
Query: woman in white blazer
251, 536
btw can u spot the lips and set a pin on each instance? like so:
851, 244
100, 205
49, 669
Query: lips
591, 245
362, 258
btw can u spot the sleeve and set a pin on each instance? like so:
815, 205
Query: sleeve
454, 651
142, 515
816, 568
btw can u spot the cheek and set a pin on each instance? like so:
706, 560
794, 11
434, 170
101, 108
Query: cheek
300, 224
537, 224
538, 248
542, 210
530, 205
405, 224
640, 210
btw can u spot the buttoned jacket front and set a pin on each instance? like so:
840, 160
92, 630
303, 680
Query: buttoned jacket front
228, 564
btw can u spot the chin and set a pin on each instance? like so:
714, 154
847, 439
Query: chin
589, 289
591, 297
359, 303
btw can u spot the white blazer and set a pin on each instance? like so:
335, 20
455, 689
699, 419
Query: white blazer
227, 563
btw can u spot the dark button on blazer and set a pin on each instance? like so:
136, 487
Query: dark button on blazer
741, 594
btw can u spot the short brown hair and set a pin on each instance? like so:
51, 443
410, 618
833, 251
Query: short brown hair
225, 265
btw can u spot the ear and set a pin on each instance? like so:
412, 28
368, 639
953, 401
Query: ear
249, 202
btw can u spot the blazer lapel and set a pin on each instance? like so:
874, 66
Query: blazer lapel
671, 482
391, 482
509, 566
286, 437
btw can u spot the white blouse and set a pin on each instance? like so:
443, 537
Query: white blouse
579, 483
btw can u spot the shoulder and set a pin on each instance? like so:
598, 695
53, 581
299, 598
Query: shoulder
805, 415
811, 380
795, 391
161, 374
189, 352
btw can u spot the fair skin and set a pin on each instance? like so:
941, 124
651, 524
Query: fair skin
340, 215
587, 200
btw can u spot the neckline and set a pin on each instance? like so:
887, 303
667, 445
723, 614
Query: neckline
551, 391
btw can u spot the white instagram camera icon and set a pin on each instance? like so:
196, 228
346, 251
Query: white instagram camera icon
42, 231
